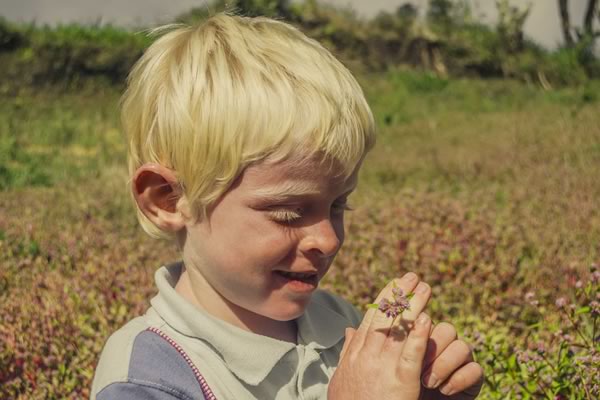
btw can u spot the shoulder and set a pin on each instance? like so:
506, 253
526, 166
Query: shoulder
113, 365
338, 306
138, 363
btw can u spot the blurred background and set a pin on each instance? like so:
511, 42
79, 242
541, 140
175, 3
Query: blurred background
484, 180
542, 24
552, 42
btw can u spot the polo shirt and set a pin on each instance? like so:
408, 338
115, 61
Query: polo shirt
178, 351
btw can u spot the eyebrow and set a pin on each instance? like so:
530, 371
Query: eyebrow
290, 190
286, 190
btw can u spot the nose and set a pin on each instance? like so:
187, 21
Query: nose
322, 239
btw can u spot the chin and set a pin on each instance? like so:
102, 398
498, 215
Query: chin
288, 313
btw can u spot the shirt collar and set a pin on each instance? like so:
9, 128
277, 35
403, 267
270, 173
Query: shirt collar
250, 356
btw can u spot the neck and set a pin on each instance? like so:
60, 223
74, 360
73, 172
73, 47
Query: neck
216, 305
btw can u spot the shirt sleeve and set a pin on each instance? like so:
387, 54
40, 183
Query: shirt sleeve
156, 369
141, 391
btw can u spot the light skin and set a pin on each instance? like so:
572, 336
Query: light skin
281, 216
385, 356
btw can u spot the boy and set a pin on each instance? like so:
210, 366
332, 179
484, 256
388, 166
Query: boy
245, 140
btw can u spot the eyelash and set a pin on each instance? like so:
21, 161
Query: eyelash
290, 216
285, 216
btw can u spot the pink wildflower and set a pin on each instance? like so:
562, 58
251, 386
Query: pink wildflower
540, 347
595, 276
595, 307
530, 298
397, 306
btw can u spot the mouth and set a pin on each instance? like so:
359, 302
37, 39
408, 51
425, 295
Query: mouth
300, 281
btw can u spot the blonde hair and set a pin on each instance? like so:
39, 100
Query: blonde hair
207, 101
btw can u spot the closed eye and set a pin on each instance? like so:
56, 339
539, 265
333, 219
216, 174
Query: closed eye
291, 215
286, 216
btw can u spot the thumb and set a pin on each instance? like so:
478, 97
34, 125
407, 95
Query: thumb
349, 335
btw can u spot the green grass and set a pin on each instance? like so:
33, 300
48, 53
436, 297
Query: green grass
47, 139
487, 189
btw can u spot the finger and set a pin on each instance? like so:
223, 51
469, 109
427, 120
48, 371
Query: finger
457, 354
467, 381
409, 280
403, 323
440, 338
411, 360
380, 322
349, 335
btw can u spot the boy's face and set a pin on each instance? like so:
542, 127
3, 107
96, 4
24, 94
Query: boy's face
277, 219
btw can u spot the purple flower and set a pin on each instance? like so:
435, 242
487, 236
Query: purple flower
522, 357
540, 347
595, 307
567, 337
530, 298
561, 302
384, 305
558, 333
397, 306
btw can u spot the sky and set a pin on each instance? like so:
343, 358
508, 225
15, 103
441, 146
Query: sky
543, 24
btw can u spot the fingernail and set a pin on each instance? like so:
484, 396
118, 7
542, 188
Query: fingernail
447, 389
430, 381
410, 276
422, 288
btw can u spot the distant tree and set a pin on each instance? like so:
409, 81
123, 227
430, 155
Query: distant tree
440, 11
448, 14
575, 36
407, 11
253, 8
270, 8
511, 21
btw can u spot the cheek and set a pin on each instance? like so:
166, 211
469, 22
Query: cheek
274, 246
338, 227
261, 244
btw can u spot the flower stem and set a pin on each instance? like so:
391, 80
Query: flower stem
577, 329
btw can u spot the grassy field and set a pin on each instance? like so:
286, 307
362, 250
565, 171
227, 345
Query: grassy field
487, 189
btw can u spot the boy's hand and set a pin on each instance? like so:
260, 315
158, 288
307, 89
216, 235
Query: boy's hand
450, 372
381, 361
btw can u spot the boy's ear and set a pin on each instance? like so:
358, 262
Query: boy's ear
156, 191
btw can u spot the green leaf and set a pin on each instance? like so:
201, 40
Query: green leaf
372, 305
583, 310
